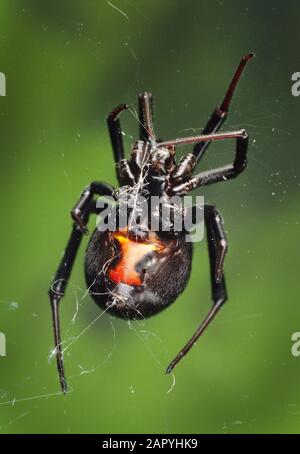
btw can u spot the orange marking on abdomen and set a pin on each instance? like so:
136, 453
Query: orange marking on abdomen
131, 253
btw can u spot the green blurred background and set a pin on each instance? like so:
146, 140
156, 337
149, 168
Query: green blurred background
67, 63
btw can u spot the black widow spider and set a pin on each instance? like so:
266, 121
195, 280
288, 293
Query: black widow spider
135, 273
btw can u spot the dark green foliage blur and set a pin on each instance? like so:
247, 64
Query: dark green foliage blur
67, 64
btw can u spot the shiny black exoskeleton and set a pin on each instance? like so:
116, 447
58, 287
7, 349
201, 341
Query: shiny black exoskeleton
134, 270
158, 276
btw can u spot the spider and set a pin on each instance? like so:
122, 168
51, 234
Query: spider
136, 272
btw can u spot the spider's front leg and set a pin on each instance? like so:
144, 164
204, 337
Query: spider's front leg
219, 115
222, 173
217, 247
57, 290
146, 117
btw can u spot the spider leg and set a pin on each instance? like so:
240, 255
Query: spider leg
222, 173
115, 132
219, 115
146, 117
85, 199
57, 291
59, 284
217, 247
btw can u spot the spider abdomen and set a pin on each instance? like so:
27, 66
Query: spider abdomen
135, 278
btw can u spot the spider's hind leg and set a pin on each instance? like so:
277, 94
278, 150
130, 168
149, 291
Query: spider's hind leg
81, 213
84, 202
217, 247
57, 291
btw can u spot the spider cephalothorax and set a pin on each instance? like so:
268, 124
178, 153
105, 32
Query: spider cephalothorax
137, 268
